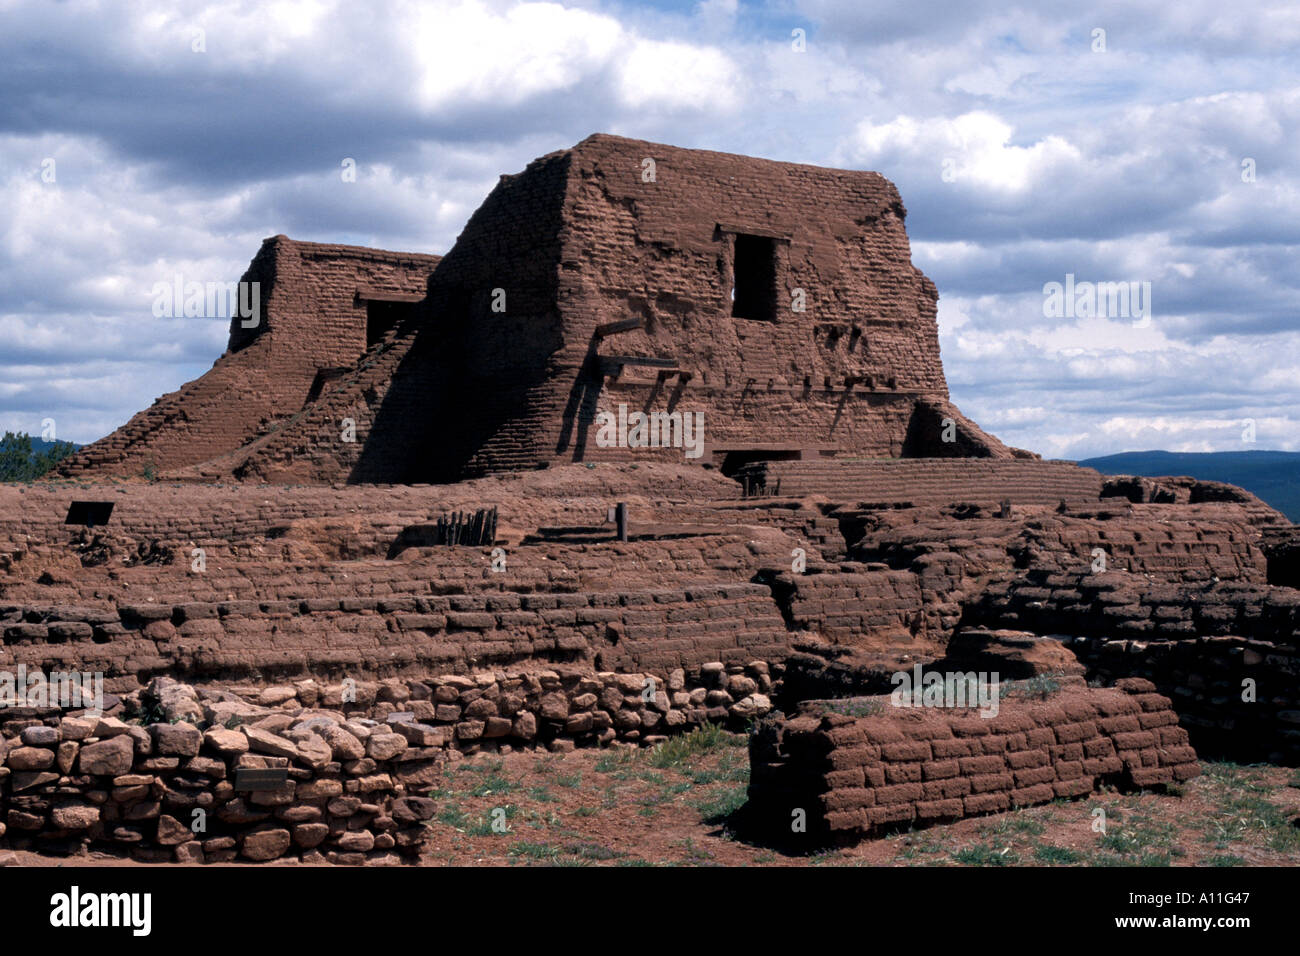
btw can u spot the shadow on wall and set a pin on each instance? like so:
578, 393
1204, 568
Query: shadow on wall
935, 432
468, 397
463, 401
580, 413
404, 426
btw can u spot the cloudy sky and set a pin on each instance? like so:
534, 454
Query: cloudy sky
1129, 142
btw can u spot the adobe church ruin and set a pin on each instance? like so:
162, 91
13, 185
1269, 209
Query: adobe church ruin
290, 641
778, 300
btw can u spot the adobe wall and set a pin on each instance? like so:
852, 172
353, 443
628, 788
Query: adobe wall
1225, 651
465, 385
1239, 698
929, 481
311, 318
1116, 604
853, 604
1166, 543
663, 252
31, 516
654, 630
860, 765
1281, 549
317, 301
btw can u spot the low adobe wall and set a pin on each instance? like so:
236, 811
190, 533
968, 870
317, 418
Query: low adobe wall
854, 604
929, 481
401, 634
1116, 604
859, 765
1239, 699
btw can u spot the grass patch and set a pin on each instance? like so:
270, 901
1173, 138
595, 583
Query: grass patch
985, 855
453, 817
722, 805
728, 770
533, 851
592, 851
617, 760
702, 740
1242, 813
1057, 855
693, 852
493, 783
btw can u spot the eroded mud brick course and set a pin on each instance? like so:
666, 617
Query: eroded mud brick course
860, 765
931, 481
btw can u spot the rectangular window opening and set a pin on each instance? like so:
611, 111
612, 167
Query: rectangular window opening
753, 295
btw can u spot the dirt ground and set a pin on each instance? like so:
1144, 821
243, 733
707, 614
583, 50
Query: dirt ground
676, 805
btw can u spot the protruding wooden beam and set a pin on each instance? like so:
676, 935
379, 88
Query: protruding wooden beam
612, 364
380, 295
613, 328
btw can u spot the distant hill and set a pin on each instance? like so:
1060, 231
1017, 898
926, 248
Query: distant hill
24, 458
40, 445
1272, 475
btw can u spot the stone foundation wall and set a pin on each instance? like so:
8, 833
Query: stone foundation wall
358, 756
84, 781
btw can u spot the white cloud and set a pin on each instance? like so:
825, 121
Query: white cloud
1123, 166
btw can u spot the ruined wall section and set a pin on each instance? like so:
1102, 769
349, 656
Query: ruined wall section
845, 373
463, 388
663, 250
312, 317
221, 409
316, 310
858, 766
653, 630
496, 307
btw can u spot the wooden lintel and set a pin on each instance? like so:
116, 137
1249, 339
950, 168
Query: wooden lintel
613, 328
379, 295
647, 360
